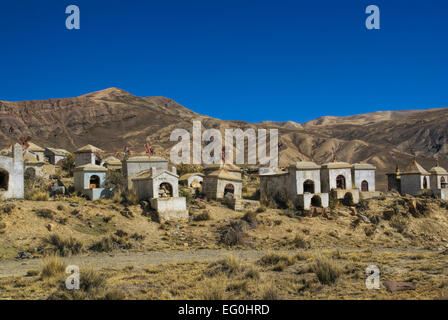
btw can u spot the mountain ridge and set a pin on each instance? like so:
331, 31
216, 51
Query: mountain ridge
112, 118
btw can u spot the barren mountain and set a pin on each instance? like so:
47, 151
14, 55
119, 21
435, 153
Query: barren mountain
113, 118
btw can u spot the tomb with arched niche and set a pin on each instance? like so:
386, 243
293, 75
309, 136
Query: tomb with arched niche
363, 177
160, 188
438, 182
12, 174
90, 180
336, 177
222, 184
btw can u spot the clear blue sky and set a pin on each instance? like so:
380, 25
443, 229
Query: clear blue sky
249, 60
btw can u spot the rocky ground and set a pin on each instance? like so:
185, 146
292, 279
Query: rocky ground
272, 253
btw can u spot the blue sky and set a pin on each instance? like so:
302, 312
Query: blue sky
249, 60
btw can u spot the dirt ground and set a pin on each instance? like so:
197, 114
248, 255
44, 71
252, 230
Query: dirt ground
405, 237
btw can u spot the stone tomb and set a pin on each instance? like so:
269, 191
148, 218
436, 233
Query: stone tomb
363, 177
439, 182
220, 184
90, 180
337, 177
161, 188
415, 179
301, 185
11, 175
135, 165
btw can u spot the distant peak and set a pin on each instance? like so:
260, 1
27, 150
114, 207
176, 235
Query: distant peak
109, 92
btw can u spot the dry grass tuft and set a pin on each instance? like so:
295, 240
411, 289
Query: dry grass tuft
52, 266
203, 216
233, 234
37, 195
326, 270
63, 247
270, 293
213, 290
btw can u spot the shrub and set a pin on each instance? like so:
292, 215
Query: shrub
252, 272
52, 266
116, 180
270, 293
188, 168
32, 273
213, 290
348, 199
229, 266
333, 201
2, 227
300, 243
325, 269
108, 244
251, 218
68, 164
92, 285
203, 216
63, 247
276, 258
184, 192
8, 208
233, 234
130, 197
45, 213
36, 195
398, 223
115, 295
91, 280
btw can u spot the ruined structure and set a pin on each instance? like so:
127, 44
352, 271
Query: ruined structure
133, 166
90, 180
337, 177
11, 174
161, 189
301, 185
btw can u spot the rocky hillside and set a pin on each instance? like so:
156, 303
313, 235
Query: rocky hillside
112, 118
